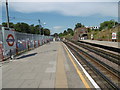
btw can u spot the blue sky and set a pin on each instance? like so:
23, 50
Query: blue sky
59, 16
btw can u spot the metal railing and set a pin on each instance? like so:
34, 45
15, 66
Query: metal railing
24, 42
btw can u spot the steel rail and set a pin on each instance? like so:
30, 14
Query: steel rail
92, 66
109, 56
104, 47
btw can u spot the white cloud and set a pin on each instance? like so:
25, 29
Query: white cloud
68, 8
62, 0
57, 27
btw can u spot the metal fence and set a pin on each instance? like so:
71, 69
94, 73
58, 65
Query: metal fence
24, 42
1, 46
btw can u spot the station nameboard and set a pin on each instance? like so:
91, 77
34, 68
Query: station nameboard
8, 39
114, 36
91, 36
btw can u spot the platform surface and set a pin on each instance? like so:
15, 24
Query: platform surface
105, 43
48, 66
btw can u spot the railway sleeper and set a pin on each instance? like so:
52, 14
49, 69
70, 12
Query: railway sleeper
97, 71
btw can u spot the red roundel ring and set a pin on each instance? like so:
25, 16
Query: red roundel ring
10, 40
113, 35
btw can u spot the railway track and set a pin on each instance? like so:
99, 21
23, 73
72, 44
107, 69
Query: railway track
105, 54
111, 57
103, 74
104, 47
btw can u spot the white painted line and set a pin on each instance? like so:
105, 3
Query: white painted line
85, 72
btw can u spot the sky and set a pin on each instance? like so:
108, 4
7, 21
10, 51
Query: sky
62, 14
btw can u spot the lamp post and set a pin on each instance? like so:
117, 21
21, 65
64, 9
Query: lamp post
7, 14
43, 28
39, 25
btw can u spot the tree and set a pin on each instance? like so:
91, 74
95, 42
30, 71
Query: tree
17, 27
78, 25
55, 35
32, 29
65, 32
107, 24
22, 27
37, 29
118, 35
46, 32
88, 29
70, 31
26, 28
10, 24
60, 34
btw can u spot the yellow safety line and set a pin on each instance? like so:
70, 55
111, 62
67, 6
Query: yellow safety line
78, 71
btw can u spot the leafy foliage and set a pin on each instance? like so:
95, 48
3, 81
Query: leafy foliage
5, 24
69, 31
22, 27
55, 34
107, 24
26, 28
46, 32
118, 35
78, 25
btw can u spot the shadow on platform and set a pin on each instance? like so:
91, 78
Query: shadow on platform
28, 55
49, 51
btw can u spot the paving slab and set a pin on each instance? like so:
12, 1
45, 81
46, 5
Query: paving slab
61, 78
105, 43
47, 66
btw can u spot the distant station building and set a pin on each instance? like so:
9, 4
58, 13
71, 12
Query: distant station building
93, 27
96, 27
80, 34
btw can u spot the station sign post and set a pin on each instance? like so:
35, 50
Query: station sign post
91, 36
114, 36
9, 40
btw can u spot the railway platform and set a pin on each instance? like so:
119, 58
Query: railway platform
104, 43
49, 66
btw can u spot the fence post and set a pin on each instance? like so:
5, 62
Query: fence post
34, 44
10, 54
16, 49
2, 56
28, 44
38, 43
